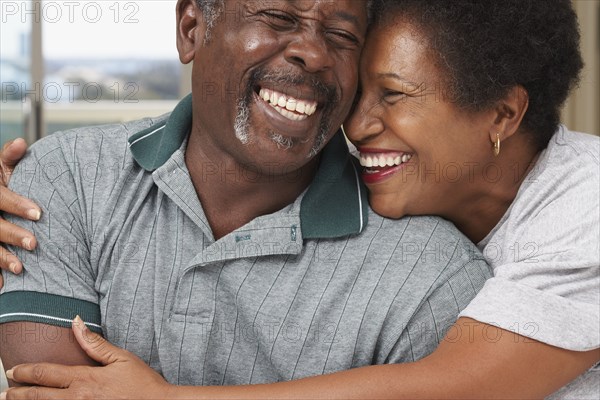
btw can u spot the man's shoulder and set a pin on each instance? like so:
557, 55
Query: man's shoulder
430, 243
90, 142
84, 164
83, 155
416, 227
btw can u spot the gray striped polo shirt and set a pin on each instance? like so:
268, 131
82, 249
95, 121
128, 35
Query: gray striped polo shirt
310, 289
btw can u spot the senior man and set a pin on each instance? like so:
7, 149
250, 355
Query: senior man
226, 243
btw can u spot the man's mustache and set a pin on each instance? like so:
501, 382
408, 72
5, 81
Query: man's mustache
289, 79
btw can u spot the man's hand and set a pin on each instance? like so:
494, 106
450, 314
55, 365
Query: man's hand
122, 376
12, 203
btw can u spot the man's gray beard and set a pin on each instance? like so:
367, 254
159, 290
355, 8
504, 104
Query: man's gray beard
242, 130
242, 121
321, 138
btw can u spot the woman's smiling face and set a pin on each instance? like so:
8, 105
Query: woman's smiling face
422, 154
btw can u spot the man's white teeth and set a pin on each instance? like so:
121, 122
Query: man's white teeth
282, 102
289, 107
383, 160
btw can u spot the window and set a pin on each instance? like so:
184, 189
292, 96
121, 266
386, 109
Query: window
15, 64
99, 62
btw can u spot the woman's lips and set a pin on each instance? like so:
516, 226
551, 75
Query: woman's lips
379, 165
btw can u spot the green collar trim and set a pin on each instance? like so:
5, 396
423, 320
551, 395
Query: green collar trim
335, 205
153, 146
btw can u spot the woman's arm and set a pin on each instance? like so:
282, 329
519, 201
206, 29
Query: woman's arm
474, 361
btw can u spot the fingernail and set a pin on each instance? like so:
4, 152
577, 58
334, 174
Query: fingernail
9, 374
34, 214
79, 323
13, 268
3, 396
26, 243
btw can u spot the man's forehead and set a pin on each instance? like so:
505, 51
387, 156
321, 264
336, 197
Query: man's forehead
348, 10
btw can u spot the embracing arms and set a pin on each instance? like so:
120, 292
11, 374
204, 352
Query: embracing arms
474, 361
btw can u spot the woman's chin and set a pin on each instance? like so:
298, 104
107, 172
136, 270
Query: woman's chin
387, 206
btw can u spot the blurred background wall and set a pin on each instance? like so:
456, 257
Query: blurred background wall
582, 111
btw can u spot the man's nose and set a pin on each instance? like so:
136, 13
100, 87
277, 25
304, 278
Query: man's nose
310, 51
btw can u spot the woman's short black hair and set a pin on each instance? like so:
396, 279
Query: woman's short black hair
488, 46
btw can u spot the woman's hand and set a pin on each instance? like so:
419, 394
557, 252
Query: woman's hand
12, 203
121, 376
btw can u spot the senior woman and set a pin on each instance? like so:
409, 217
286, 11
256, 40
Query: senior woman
458, 116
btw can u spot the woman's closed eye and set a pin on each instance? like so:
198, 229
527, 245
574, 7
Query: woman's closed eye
392, 96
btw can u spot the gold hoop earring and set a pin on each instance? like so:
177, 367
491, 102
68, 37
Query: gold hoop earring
496, 145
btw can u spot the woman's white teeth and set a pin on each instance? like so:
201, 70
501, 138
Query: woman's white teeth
289, 107
382, 160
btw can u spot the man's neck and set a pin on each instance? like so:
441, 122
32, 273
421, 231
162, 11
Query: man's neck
233, 195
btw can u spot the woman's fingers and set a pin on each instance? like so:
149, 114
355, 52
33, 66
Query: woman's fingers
11, 154
17, 236
14, 204
9, 262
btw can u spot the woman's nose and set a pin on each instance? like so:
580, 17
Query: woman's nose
364, 122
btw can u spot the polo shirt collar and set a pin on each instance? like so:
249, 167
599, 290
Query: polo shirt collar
153, 146
335, 204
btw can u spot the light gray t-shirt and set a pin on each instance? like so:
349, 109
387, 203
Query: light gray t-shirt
310, 289
545, 251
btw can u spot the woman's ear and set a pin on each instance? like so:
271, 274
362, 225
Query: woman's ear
509, 113
191, 29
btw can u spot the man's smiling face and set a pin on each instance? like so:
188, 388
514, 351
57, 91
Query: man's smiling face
276, 78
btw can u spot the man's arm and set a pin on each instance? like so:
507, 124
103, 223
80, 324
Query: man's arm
12, 203
31, 342
122, 374
57, 281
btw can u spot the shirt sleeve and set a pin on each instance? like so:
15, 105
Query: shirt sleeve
58, 281
546, 262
